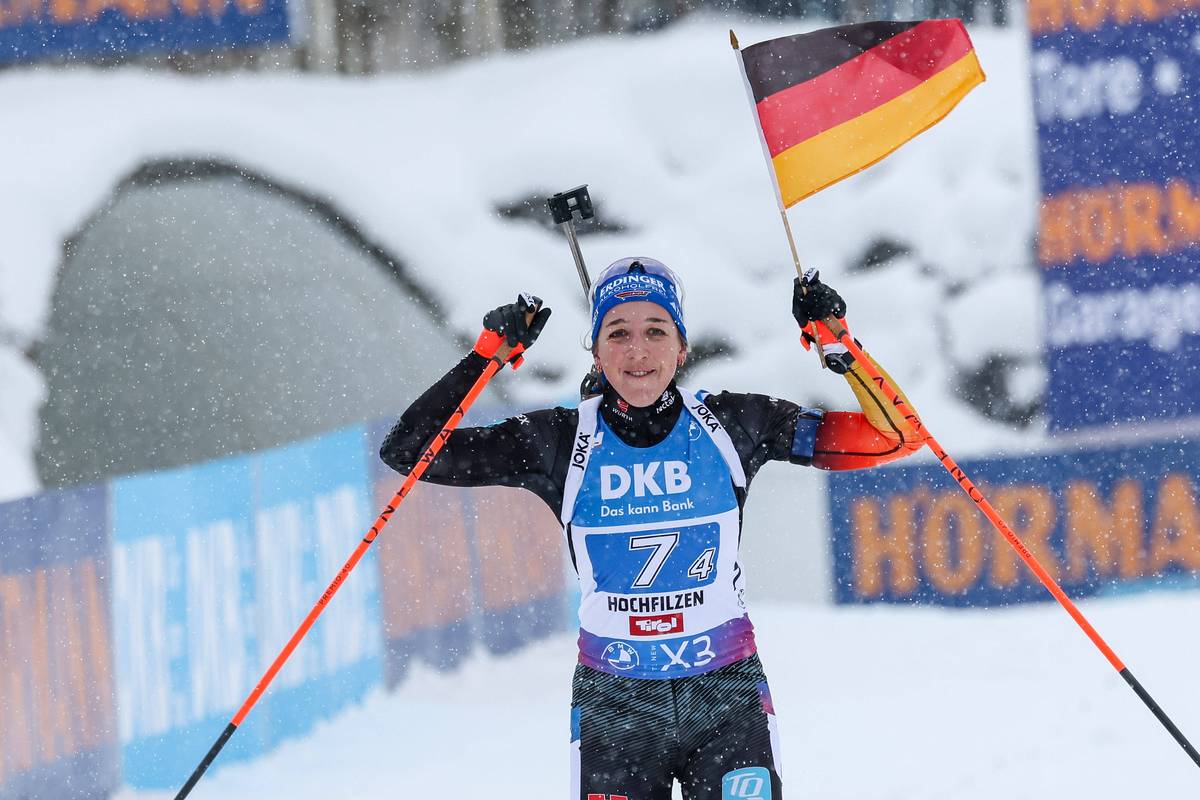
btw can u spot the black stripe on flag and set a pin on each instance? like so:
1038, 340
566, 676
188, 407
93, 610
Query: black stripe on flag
777, 64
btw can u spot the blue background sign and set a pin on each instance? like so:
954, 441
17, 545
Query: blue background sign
312, 510
214, 567
136, 616
1099, 521
183, 615
35, 29
1119, 234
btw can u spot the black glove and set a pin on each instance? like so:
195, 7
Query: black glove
509, 321
818, 302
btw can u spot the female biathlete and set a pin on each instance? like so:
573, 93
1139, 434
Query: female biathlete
649, 480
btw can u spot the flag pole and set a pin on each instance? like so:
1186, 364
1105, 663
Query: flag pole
762, 141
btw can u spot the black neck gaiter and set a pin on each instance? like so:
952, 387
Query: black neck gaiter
642, 427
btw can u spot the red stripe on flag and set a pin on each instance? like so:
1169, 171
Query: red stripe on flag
861, 84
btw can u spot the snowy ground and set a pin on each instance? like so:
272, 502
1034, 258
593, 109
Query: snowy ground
874, 703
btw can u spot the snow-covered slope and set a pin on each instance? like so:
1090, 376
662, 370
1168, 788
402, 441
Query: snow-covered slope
658, 125
874, 704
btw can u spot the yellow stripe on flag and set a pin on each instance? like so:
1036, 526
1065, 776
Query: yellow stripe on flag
824, 159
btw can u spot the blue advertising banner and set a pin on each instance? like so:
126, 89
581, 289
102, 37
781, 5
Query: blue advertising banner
1100, 521
183, 577
1119, 232
312, 510
214, 567
57, 699
35, 29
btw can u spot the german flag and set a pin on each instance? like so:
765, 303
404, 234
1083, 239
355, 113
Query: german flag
835, 101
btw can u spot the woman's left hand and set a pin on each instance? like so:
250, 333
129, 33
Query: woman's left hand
813, 300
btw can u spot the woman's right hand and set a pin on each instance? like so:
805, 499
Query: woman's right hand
507, 326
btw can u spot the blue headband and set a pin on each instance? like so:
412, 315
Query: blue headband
636, 283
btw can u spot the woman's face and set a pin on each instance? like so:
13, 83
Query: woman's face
639, 351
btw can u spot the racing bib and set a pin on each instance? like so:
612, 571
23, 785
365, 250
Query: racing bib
655, 535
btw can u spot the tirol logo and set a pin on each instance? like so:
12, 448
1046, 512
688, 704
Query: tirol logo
656, 625
644, 479
620, 655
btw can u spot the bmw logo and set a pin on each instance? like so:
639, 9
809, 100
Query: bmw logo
620, 655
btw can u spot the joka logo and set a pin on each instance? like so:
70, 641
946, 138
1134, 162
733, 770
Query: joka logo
582, 443
616, 481
655, 626
620, 655
706, 417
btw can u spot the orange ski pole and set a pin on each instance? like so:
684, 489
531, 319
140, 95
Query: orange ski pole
965, 483
433, 448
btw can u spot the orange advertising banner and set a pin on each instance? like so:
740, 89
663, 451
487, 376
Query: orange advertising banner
1100, 521
59, 727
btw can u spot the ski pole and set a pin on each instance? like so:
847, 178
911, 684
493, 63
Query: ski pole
431, 450
965, 483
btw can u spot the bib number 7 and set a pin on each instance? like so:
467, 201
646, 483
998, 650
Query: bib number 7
660, 545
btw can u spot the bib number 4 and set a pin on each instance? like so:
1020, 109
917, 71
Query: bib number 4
703, 565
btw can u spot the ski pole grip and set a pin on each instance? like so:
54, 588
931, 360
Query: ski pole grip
514, 357
489, 342
809, 335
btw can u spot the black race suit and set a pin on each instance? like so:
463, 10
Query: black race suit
634, 736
